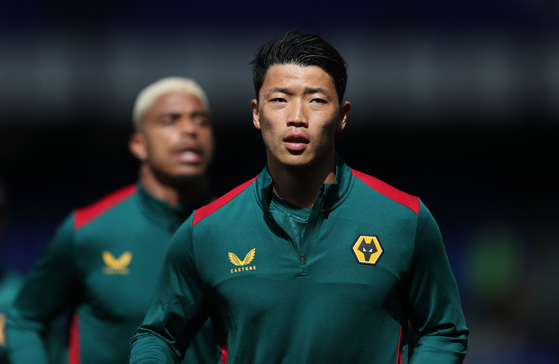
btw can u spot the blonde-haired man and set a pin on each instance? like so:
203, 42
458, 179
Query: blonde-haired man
103, 262
147, 97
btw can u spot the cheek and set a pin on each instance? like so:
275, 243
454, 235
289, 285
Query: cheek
267, 131
266, 128
158, 144
205, 138
328, 131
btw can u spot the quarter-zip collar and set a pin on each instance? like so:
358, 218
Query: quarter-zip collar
161, 212
329, 196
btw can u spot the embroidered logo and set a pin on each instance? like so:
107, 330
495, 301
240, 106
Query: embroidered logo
117, 265
242, 264
367, 249
2, 327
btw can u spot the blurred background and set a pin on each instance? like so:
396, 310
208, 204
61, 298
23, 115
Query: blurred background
453, 101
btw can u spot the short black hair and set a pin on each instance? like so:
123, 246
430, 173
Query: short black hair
302, 49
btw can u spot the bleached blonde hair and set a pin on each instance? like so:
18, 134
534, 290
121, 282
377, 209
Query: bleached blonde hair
166, 85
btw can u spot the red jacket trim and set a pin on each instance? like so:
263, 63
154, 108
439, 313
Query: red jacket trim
224, 352
401, 342
411, 202
86, 214
207, 210
74, 344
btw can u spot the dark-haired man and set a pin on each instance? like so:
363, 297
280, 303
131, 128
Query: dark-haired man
311, 261
103, 262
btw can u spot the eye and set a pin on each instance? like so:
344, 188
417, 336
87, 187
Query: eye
278, 100
169, 119
318, 101
201, 121
200, 118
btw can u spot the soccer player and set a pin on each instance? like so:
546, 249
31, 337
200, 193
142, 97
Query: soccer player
310, 261
103, 262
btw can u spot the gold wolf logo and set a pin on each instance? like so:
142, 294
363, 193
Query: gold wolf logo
117, 265
248, 258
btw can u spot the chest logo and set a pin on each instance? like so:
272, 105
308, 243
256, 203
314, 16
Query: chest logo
243, 264
367, 249
117, 265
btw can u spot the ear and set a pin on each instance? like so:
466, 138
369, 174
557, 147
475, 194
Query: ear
137, 146
344, 110
255, 114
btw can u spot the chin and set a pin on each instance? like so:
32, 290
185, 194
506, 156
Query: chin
297, 160
190, 178
190, 170
182, 176
298, 165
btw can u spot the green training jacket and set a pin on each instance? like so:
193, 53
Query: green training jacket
370, 264
101, 267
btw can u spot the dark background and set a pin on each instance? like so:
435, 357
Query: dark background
456, 102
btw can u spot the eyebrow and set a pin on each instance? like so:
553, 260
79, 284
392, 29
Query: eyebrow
279, 89
177, 113
200, 113
312, 90
308, 90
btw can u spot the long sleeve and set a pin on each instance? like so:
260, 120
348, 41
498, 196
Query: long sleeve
177, 311
43, 296
435, 308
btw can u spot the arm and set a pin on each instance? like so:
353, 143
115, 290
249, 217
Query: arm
434, 303
43, 296
177, 311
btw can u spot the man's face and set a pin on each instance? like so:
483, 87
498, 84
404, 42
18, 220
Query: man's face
175, 137
298, 113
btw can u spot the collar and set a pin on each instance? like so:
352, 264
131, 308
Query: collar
328, 197
161, 212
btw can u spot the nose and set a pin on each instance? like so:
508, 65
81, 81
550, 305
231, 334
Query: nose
297, 114
188, 126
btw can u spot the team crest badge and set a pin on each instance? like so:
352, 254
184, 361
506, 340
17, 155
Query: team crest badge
243, 265
367, 249
117, 265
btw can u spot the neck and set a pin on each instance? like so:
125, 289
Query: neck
299, 186
190, 192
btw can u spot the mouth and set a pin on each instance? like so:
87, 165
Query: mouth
295, 142
189, 154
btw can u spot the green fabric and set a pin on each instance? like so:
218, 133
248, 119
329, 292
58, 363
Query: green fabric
292, 219
103, 273
10, 284
240, 267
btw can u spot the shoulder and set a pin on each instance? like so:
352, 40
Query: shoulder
212, 207
405, 199
9, 278
84, 215
10, 284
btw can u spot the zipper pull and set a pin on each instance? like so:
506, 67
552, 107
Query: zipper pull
302, 258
